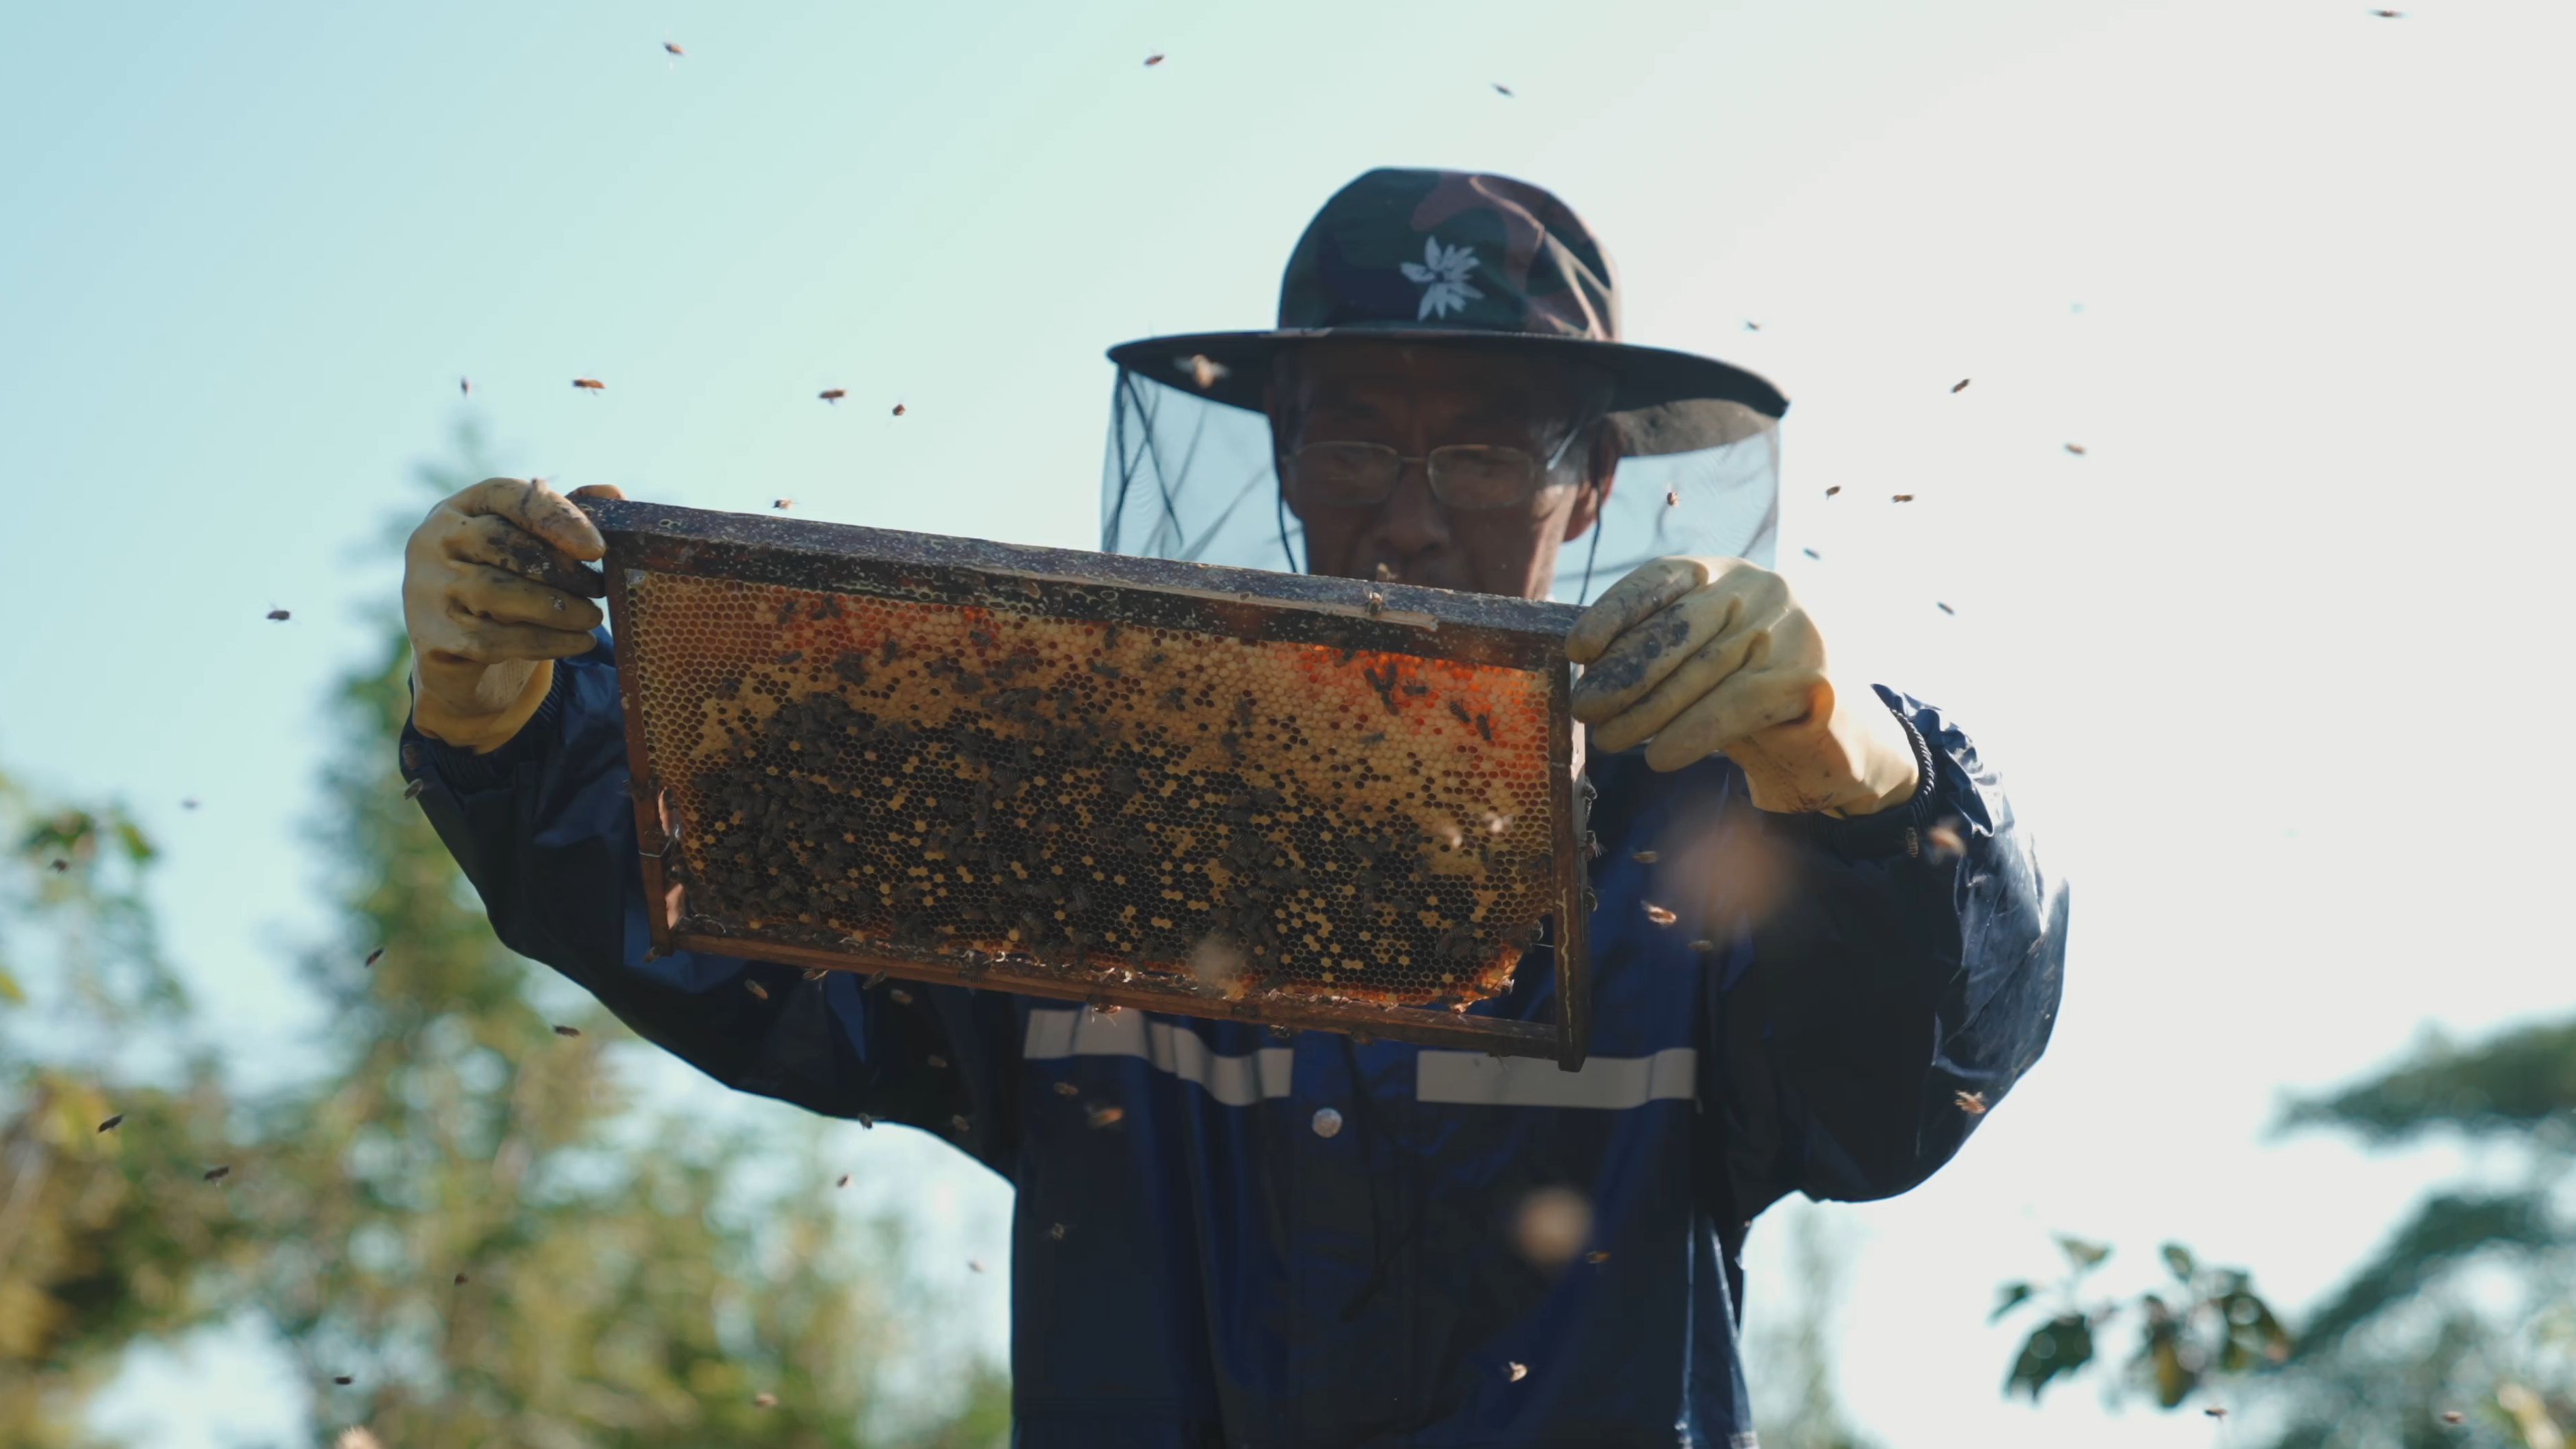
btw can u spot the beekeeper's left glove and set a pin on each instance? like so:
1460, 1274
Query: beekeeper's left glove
1709, 655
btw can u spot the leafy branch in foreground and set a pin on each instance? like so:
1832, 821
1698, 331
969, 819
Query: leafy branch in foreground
2210, 1323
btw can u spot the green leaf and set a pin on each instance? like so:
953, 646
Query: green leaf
2174, 1382
2008, 1298
138, 848
2178, 1258
2085, 1256
2058, 1347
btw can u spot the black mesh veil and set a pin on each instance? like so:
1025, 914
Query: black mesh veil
1191, 479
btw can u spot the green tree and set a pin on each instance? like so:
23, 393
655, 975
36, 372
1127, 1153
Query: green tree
506, 1257
111, 1117
455, 1212
2469, 1307
2459, 1329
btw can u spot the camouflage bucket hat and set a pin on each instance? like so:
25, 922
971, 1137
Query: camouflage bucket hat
1456, 258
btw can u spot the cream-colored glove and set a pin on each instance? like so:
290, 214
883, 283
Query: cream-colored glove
1703, 655
493, 594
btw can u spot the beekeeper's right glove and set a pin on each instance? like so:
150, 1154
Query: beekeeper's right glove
493, 594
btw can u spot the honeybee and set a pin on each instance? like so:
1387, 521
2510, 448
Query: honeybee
590, 384
1659, 915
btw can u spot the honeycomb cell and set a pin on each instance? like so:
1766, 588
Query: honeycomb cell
1095, 799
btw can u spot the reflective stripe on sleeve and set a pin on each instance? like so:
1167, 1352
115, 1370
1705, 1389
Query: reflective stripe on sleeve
1474, 1079
1234, 1081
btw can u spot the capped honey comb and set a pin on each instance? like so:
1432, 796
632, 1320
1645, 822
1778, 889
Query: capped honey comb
1220, 792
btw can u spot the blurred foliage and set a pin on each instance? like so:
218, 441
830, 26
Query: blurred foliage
2205, 1324
2459, 1329
454, 1211
108, 1233
1791, 1363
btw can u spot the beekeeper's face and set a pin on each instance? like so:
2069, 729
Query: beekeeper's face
1450, 466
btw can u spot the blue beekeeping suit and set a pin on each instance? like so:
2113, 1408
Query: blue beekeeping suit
1298, 1242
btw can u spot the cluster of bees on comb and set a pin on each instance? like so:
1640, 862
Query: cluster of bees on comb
1099, 799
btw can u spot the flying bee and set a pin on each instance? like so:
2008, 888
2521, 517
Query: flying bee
1901, 497
1672, 498
1155, 59
1644, 857
567, 1031
1960, 386
1101, 1114
755, 988
782, 504
1944, 608
674, 49
1201, 369
833, 394
375, 955
279, 615
1830, 492
1659, 915
217, 1174
2076, 448
898, 410
1972, 1103
590, 384
1515, 1372
764, 1400
1067, 1089
1056, 1233
111, 1123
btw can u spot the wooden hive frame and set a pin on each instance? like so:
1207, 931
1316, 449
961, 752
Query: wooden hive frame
656, 551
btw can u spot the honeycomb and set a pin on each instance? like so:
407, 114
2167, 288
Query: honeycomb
917, 779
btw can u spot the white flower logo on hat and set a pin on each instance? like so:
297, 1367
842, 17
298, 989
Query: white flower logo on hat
1442, 275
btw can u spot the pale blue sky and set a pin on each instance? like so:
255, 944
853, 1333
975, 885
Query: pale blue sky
2274, 670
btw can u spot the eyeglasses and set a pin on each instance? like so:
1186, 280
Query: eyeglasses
1462, 475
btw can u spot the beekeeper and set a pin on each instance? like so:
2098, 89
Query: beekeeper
1320, 1241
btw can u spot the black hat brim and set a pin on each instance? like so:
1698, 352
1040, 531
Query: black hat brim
1662, 401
